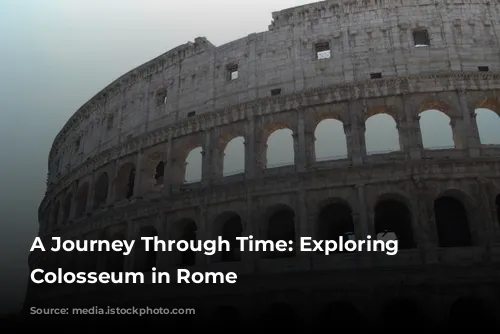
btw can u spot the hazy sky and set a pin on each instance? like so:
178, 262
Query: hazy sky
56, 54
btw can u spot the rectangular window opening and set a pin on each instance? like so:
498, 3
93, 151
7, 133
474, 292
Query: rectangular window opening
161, 97
77, 145
483, 68
322, 50
109, 125
232, 72
377, 75
191, 113
421, 38
276, 91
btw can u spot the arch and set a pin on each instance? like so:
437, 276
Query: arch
381, 134
280, 148
452, 222
331, 142
55, 214
336, 315
225, 319
115, 260
402, 311
497, 202
186, 229
436, 129
81, 200
125, 182
282, 317
471, 313
488, 123
144, 260
159, 173
335, 221
194, 164
281, 226
393, 216
101, 187
230, 227
67, 208
234, 157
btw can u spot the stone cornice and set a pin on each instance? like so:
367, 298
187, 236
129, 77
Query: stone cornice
391, 86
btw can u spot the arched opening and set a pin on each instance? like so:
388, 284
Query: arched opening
471, 313
187, 231
234, 157
101, 190
115, 260
125, 182
55, 215
335, 221
194, 163
280, 149
81, 200
281, 226
144, 260
331, 143
402, 311
225, 319
67, 208
340, 315
488, 123
281, 317
393, 217
159, 173
452, 222
231, 228
381, 134
436, 130
497, 202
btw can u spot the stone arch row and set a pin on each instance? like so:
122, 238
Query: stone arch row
392, 219
467, 311
159, 168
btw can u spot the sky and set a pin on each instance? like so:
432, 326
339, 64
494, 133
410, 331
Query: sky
56, 54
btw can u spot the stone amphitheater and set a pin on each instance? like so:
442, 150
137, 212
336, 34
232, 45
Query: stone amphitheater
117, 170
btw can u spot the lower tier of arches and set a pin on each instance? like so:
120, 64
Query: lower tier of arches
425, 298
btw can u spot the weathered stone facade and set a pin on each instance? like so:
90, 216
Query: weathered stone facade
116, 170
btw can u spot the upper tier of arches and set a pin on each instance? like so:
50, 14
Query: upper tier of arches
292, 57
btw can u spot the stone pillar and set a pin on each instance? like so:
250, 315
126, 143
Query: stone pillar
469, 126
302, 227
129, 260
202, 235
207, 158
491, 233
90, 195
162, 257
250, 144
250, 228
414, 136
138, 175
363, 228
167, 174
300, 144
112, 183
356, 133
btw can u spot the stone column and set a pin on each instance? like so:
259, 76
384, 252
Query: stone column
112, 183
469, 126
162, 259
414, 136
300, 144
138, 175
90, 195
356, 133
363, 228
207, 158
129, 260
167, 174
250, 144
202, 235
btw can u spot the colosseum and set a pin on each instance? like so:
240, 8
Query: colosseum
118, 170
